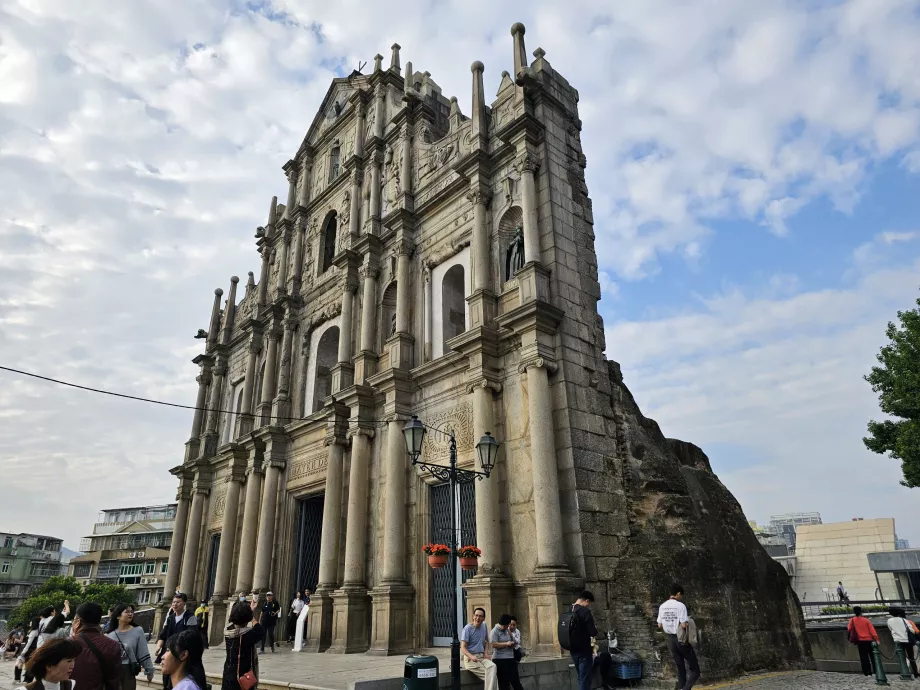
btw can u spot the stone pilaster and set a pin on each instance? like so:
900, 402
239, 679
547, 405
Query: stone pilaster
192, 540
249, 532
276, 446
268, 379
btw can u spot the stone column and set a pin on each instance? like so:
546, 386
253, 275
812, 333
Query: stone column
245, 421
479, 125
292, 172
263, 561
192, 542
266, 255
350, 601
319, 623
306, 177
214, 406
480, 243
343, 372
285, 258
394, 531
299, 231
426, 276
369, 306
403, 293
520, 54
375, 190
250, 529
268, 380
360, 124
488, 525
281, 407
545, 475
527, 166
174, 564
379, 110
204, 380
227, 537
354, 214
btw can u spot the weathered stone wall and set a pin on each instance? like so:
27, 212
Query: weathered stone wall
685, 526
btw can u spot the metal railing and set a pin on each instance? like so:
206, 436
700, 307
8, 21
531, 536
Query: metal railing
830, 610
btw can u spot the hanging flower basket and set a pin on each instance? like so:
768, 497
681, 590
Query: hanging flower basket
469, 557
437, 554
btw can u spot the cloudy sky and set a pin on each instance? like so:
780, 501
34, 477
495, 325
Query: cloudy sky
754, 169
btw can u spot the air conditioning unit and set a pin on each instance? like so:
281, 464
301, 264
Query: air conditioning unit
13, 552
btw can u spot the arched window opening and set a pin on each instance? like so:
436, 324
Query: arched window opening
335, 163
453, 303
388, 312
327, 356
327, 240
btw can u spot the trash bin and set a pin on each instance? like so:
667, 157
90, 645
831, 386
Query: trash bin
421, 673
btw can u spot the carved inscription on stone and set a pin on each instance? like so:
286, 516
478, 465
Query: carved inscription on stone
303, 470
218, 501
458, 419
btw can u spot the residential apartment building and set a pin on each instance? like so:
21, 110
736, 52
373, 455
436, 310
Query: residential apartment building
128, 546
26, 561
786, 525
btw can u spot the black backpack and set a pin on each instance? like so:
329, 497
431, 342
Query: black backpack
567, 628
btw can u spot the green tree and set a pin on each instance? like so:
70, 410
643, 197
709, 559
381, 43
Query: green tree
897, 383
59, 588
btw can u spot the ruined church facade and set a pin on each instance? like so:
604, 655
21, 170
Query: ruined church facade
435, 264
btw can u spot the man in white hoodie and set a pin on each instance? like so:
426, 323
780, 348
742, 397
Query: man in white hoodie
901, 631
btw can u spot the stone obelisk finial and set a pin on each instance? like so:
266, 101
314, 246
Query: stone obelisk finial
229, 312
520, 54
394, 60
272, 219
479, 103
251, 283
378, 62
214, 328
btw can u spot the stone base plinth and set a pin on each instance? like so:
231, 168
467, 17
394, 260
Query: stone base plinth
365, 366
343, 376
319, 621
401, 347
549, 592
218, 619
349, 621
491, 591
392, 608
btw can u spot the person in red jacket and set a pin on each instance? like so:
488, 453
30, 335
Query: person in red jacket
864, 632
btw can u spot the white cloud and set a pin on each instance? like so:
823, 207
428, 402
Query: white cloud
773, 387
140, 143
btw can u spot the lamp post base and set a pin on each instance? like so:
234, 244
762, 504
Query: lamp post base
455, 664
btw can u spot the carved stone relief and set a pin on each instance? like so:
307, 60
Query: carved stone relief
218, 501
304, 469
459, 419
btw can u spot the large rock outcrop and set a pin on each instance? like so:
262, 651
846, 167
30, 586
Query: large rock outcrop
686, 527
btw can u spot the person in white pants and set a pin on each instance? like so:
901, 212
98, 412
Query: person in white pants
474, 655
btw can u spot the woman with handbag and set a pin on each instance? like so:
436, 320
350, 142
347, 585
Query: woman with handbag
135, 653
862, 633
182, 661
241, 667
904, 634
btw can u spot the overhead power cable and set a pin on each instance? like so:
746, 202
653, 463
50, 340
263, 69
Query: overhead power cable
146, 400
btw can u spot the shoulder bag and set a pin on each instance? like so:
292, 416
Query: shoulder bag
912, 637
248, 680
133, 666
853, 636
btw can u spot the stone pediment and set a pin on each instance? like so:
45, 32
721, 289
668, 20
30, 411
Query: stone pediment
334, 106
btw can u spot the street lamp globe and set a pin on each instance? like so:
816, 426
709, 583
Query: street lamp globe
414, 432
487, 448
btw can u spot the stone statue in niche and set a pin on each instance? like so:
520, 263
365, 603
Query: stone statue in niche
515, 257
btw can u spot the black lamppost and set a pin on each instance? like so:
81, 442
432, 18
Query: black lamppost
487, 449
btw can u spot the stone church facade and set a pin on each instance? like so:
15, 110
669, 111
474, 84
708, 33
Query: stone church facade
436, 264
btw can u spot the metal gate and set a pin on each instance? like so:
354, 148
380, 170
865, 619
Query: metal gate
212, 566
308, 534
441, 596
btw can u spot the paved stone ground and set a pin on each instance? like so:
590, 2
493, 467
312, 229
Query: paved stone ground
805, 680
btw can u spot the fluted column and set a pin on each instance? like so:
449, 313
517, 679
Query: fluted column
369, 306
267, 528
227, 538
488, 526
192, 541
268, 379
403, 292
250, 529
174, 564
394, 530
356, 531
545, 472
527, 166
332, 517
